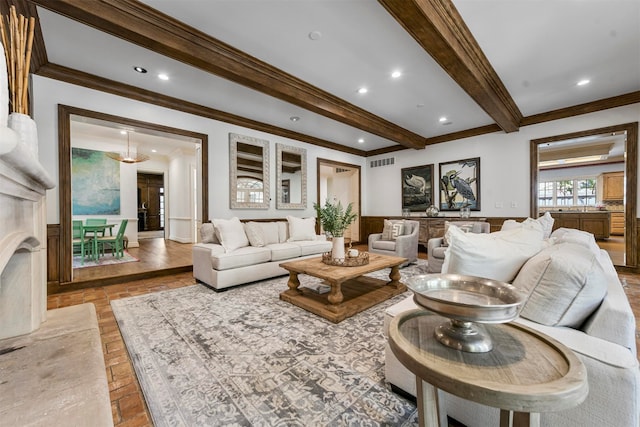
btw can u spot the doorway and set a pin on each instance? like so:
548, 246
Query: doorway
341, 182
151, 204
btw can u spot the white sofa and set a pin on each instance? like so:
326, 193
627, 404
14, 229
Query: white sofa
601, 334
231, 253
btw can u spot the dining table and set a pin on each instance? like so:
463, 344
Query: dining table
96, 229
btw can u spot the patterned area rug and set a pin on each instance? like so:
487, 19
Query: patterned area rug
107, 259
243, 357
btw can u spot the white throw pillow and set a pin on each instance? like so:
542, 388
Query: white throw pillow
392, 229
565, 284
231, 233
579, 237
497, 256
301, 228
254, 234
546, 221
270, 231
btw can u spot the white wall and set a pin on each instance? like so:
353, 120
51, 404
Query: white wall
48, 93
504, 165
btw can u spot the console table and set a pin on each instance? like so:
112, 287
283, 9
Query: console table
525, 374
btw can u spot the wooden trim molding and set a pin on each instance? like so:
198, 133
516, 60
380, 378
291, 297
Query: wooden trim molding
64, 175
438, 27
144, 26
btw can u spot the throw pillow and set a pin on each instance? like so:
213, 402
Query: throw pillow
231, 233
392, 229
579, 237
565, 284
207, 233
254, 234
546, 221
301, 228
497, 256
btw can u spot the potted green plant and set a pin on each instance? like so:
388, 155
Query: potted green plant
335, 219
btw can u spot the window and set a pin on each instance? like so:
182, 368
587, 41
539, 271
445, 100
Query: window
568, 192
250, 190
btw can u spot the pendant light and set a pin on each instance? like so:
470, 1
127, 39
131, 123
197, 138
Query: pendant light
128, 156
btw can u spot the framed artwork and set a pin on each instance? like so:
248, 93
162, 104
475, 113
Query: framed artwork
95, 183
417, 188
460, 185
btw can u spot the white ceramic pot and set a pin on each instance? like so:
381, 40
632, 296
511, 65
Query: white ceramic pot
337, 251
26, 129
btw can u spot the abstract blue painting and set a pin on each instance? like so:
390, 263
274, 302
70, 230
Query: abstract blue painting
95, 183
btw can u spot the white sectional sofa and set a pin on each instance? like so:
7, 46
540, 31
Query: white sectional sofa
232, 253
574, 296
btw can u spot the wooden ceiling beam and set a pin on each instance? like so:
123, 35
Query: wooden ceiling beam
438, 27
144, 26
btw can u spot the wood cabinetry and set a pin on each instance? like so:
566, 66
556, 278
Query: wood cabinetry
617, 223
596, 223
613, 186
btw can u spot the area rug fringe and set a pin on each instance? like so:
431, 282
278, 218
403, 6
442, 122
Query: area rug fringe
243, 357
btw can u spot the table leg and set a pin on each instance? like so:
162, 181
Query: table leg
335, 296
519, 419
293, 284
395, 277
427, 401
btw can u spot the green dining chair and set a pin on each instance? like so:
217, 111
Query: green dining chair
115, 243
81, 244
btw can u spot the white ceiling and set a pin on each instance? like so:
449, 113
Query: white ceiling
539, 49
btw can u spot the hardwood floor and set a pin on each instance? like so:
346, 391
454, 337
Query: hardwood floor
157, 257
127, 402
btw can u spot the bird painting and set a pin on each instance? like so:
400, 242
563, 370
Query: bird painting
417, 182
460, 186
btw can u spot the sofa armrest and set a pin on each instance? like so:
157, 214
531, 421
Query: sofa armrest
374, 238
434, 242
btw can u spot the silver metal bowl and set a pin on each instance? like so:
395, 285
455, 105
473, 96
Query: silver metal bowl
465, 300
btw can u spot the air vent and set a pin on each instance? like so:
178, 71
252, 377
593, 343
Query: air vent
340, 170
382, 162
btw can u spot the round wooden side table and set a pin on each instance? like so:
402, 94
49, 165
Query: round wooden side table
525, 374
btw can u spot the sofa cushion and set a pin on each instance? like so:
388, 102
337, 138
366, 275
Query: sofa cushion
497, 256
281, 251
208, 233
546, 221
254, 234
312, 247
392, 229
301, 228
231, 233
579, 237
565, 284
241, 257
385, 245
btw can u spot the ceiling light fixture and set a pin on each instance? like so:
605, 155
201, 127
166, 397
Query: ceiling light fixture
294, 118
442, 119
361, 140
140, 70
163, 76
315, 35
128, 156
363, 90
396, 74
583, 82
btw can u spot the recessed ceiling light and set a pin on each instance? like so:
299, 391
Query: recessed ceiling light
442, 119
315, 35
123, 132
154, 150
361, 140
396, 74
163, 76
583, 82
140, 70
420, 105
294, 118
363, 90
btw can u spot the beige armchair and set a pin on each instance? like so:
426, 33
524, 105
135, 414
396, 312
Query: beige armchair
436, 247
405, 245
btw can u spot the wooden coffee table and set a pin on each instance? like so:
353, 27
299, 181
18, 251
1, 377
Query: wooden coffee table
351, 292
